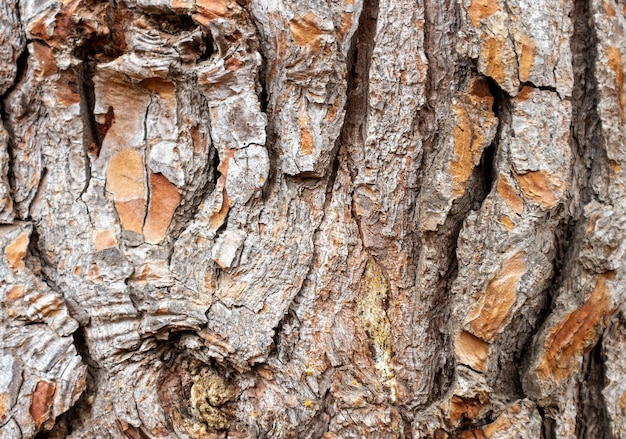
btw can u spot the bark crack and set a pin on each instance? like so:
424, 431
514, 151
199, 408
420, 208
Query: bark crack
354, 129
145, 161
21, 69
92, 137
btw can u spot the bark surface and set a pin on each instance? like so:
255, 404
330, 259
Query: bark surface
312, 219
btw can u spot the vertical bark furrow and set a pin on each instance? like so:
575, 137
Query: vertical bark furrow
506, 247
11, 69
590, 291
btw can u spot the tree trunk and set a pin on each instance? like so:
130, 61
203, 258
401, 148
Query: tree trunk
312, 219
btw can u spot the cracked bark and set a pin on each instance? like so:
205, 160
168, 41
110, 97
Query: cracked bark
359, 218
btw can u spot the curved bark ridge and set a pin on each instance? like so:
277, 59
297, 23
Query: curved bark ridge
337, 219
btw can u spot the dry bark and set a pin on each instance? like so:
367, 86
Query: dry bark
322, 219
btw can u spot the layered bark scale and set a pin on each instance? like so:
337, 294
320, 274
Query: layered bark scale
337, 219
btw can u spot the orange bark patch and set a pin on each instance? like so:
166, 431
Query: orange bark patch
233, 63
577, 333
488, 315
538, 186
461, 167
126, 176
16, 251
622, 403
463, 408
131, 214
16, 292
526, 58
499, 427
45, 59
480, 89
67, 89
609, 9
225, 160
473, 434
4, 405
212, 9
305, 32
306, 138
163, 88
492, 55
180, 4
41, 402
59, 21
524, 93
164, 199
502, 423
126, 181
471, 350
507, 222
480, 9
616, 167
103, 239
469, 141
616, 64
151, 272
345, 25
331, 113
509, 194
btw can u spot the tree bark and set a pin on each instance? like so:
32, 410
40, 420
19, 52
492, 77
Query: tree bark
312, 219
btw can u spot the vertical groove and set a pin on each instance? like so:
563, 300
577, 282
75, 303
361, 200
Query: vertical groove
585, 133
22, 67
594, 422
359, 59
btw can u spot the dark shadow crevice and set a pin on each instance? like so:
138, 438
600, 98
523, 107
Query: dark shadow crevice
593, 421
353, 131
21, 70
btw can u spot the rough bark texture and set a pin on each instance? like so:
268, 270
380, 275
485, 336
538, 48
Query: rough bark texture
312, 219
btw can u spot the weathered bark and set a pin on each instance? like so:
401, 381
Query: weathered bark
327, 219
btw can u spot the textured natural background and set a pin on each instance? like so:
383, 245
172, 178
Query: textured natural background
312, 219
